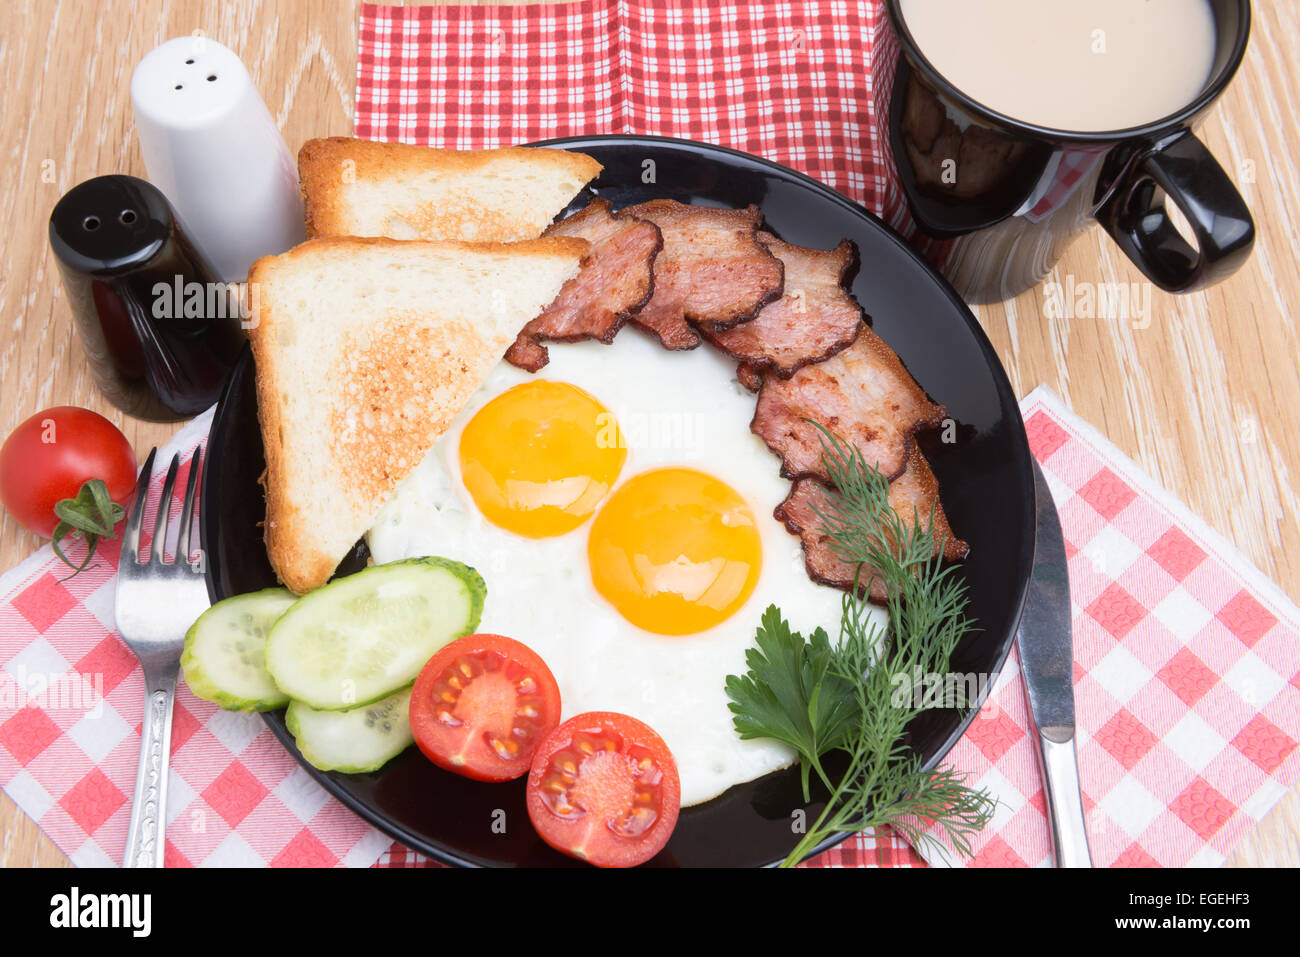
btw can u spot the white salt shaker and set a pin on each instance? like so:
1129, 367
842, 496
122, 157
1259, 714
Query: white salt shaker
212, 147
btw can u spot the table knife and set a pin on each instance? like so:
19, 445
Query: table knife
1047, 665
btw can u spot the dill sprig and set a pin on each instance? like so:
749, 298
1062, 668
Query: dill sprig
820, 697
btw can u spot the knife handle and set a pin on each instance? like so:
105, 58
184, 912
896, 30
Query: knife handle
1064, 800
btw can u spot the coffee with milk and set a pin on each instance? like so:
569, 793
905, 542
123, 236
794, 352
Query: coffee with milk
1075, 65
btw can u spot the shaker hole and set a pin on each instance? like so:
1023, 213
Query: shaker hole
212, 77
189, 62
127, 217
90, 223
177, 87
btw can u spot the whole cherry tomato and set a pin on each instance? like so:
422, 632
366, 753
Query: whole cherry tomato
52, 454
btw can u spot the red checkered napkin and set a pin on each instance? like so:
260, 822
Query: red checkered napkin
785, 80
1186, 675
789, 81
71, 703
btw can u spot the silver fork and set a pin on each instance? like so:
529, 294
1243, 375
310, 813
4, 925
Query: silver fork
157, 601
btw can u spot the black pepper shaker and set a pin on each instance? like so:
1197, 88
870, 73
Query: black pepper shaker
160, 331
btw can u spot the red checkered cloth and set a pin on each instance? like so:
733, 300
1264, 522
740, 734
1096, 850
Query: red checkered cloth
1186, 675
789, 81
71, 703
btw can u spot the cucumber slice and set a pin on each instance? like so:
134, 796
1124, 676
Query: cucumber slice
360, 638
356, 741
225, 651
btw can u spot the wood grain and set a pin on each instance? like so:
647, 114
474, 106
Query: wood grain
1205, 397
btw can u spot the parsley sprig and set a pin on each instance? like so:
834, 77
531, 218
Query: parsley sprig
821, 697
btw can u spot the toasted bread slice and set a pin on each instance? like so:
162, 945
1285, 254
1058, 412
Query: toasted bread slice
355, 187
366, 349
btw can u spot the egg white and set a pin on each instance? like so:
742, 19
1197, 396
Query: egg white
674, 409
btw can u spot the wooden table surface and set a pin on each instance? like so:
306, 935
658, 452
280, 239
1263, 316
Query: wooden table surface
1205, 398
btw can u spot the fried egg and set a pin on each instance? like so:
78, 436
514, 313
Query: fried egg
620, 511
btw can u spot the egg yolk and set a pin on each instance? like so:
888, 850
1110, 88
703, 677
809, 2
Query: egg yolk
540, 458
675, 551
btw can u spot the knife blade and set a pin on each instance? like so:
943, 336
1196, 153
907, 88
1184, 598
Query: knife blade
1046, 650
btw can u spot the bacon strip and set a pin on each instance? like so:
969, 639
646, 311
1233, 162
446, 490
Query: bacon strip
616, 280
914, 493
815, 317
911, 495
863, 395
712, 270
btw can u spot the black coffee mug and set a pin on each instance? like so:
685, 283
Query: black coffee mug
1026, 191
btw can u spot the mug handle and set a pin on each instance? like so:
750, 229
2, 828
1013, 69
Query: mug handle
1136, 218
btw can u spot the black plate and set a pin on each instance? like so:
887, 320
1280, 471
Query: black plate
988, 492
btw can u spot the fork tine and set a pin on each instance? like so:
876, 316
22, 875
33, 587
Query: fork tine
187, 510
131, 533
164, 512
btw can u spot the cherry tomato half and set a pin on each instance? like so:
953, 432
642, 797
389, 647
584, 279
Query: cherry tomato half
52, 454
604, 788
481, 706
